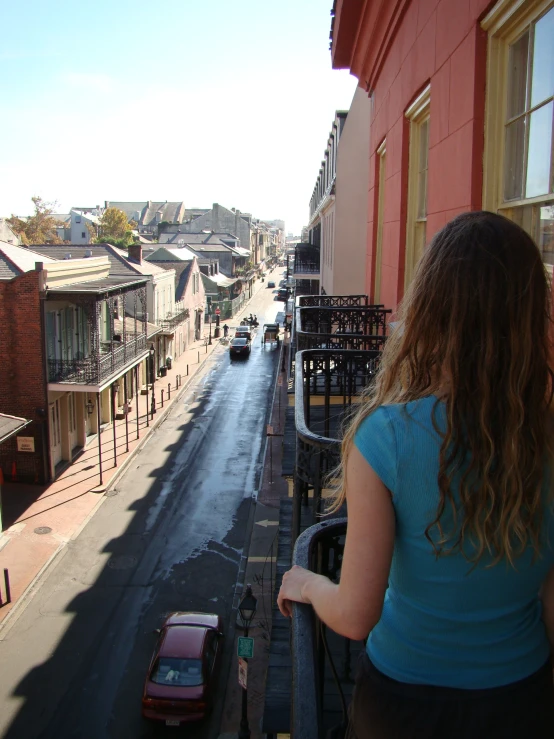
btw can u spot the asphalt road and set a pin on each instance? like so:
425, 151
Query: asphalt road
171, 538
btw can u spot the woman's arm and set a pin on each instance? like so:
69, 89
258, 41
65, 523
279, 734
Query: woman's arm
353, 607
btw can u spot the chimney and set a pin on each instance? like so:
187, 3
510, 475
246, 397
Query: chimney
135, 252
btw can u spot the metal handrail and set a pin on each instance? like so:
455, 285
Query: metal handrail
306, 702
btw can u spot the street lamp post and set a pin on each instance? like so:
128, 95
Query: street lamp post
247, 611
153, 380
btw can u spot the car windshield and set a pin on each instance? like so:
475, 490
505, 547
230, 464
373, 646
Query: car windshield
174, 671
238, 342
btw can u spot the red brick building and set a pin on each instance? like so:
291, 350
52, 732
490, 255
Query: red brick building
461, 118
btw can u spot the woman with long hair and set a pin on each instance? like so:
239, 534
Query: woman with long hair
448, 566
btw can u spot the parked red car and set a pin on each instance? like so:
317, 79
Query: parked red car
183, 672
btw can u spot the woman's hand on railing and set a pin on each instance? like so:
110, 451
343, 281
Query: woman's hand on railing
294, 582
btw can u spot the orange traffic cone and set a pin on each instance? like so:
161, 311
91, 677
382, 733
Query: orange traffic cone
14, 472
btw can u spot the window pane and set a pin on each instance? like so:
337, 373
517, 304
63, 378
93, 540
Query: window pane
546, 233
538, 156
515, 147
542, 85
422, 169
517, 70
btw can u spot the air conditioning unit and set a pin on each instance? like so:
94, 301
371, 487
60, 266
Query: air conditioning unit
88, 253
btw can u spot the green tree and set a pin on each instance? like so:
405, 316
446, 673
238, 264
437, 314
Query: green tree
40, 228
114, 227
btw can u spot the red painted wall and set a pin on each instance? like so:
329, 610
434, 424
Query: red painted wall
438, 42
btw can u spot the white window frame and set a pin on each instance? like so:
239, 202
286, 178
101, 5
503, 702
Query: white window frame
381, 177
418, 114
505, 23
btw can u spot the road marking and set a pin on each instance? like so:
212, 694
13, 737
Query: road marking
267, 523
262, 559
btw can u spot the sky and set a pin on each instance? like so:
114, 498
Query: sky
227, 101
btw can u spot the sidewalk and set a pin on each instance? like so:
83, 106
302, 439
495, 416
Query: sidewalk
44, 518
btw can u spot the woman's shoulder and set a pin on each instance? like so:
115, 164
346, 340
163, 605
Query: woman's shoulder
396, 419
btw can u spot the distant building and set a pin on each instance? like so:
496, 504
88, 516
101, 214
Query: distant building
7, 235
149, 214
220, 220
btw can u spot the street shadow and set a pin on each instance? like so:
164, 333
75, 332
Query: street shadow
71, 695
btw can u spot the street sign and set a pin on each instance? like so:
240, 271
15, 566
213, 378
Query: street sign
217, 312
245, 647
243, 673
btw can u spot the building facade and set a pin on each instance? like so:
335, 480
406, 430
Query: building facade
462, 96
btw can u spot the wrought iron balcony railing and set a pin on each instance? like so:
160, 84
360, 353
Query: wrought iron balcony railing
96, 369
306, 301
322, 661
357, 327
326, 385
308, 267
307, 287
171, 322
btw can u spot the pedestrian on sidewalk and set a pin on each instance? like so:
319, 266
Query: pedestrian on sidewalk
446, 469
225, 330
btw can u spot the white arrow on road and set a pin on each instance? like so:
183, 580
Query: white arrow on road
267, 523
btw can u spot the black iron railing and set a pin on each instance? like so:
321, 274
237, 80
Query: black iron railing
327, 383
171, 323
95, 369
322, 661
307, 287
334, 300
306, 267
356, 327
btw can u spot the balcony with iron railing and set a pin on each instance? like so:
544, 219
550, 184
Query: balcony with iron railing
327, 387
175, 318
323, 663
306, 268
97, 368
343, 301
358, 327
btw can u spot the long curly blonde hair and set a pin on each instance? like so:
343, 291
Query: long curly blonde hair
474, 327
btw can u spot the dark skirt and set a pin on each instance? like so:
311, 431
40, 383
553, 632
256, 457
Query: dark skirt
383, 708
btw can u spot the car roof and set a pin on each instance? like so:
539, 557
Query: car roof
183, 641
238, 340
194, 618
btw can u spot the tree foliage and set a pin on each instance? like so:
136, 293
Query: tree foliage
40, 228
114, 226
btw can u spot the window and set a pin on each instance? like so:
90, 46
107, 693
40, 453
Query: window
381, 159
83, 234
416, 227
519, 161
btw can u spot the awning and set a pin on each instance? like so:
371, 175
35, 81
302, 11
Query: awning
10, 425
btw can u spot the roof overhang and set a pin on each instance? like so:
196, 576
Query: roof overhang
10, 425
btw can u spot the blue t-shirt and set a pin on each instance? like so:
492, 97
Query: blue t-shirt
442, 622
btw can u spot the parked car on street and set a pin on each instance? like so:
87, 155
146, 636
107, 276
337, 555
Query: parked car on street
184, 668
283, 294
239, 346
271, 283
243, 331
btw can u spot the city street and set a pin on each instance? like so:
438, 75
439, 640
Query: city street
170, 535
